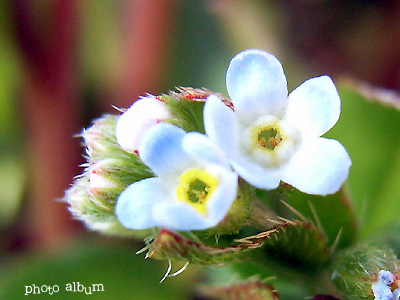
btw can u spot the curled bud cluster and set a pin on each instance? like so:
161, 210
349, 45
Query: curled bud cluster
108, 171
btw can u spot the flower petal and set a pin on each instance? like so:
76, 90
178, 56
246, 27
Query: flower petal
255, 174
201, 148
180, 216
132, 124
161, 149
256, 84
220, 124
314, 107
319, 167
135, 204
223, 197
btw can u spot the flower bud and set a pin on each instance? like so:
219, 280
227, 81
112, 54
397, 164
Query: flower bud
99, 139
134, 122
96, 213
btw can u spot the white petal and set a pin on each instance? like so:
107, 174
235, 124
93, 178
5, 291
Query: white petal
255, 174
132, 124
161, 149
256, 84
319, 167
223, 197
135, 204
314, 107
201, 148
220, 124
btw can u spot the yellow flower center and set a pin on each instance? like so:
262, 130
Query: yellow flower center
195, 187
269, 138
269, 141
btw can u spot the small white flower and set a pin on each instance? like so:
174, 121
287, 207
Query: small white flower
194, 188
133, 123
271, 136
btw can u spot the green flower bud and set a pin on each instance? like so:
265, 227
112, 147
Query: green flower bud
96, 215
99, 139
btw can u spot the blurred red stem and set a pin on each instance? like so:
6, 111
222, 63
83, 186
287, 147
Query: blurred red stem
49, 105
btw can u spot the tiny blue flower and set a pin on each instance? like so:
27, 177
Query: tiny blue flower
271, 136
382, 289
194, 186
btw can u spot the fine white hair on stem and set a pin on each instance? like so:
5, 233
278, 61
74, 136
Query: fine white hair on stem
180, 270
168, 271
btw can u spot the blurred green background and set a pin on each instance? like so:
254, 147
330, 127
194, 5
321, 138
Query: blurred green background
66, 62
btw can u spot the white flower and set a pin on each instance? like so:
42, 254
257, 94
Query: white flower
134, 122
271, 136
194, 188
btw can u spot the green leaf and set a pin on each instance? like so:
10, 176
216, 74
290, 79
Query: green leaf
123, 274
370, 133
388, 236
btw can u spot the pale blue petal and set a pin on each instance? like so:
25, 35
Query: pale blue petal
256, 174
223, 197
179, 215
220, 124
201, 148
161, 149
314, 107
319, 167
135, 204
256, 84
